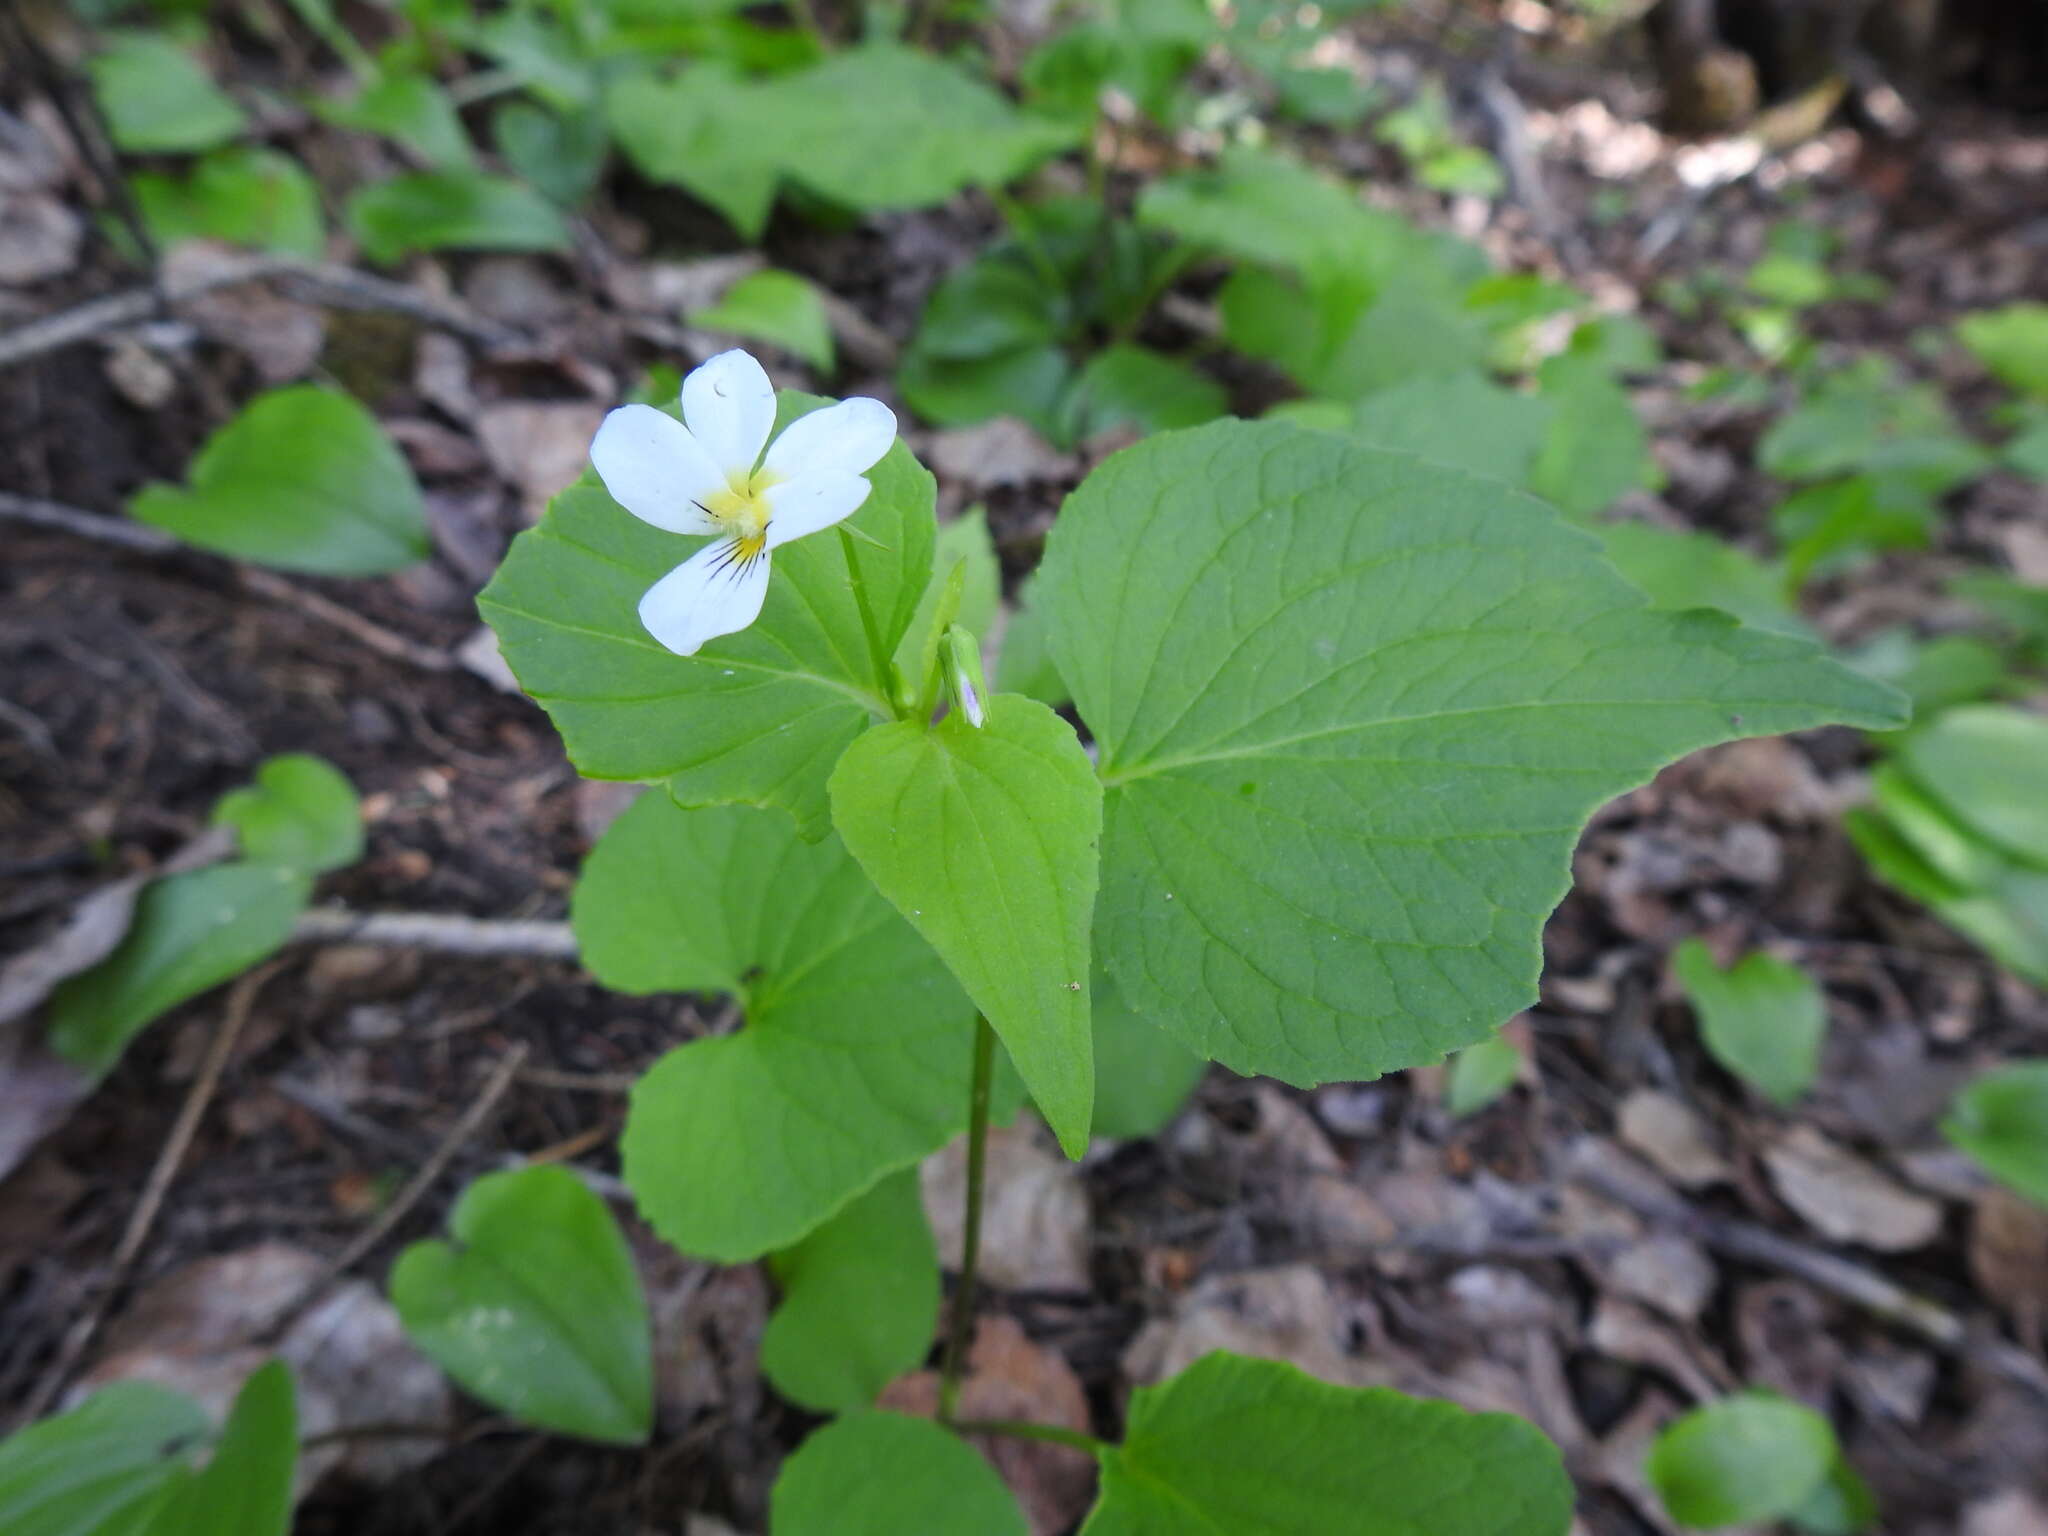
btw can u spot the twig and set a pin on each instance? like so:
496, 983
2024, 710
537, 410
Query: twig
323, 282
265, 584
446, 932
580, 1082
493, 1486
431, 1170
1840, 1277
241, 1000
1525, 169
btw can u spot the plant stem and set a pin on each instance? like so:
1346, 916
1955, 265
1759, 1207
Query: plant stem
885, 672
1018, 1429
1020, 225
970, 1243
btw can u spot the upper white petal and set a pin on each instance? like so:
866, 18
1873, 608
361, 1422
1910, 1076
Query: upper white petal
655, 469
810, 502
708, 595
842, 439
730, 406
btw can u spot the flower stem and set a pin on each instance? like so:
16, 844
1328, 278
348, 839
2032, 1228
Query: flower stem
1018, 1429
962, 1328
885, 671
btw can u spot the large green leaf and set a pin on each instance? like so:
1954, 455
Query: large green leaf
190, 932
1763, 1018
758, 717
1142, 1074
246, 1489
1750, 1458
699, 131
1352, 711
2012, 342
1595, 448
2001, 1120
300, 814
463, 210
1989, 766
244, 196
777, 307
303, 479
412, 109
860, 1297
104, 1467
857, 1051
156, 98
1238, 1447
986, 839
1462, 420
535, 1306
1686, 568
883, 1474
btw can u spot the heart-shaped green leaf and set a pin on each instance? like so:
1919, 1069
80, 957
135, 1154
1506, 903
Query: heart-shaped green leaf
985, 838
300, 814
1238, 1447
2001, 1120
463, 210
856, 1055
535, 1306
1747, 1459
860, 1297
758, 717
882, 1474
1352, 712
1763, 1018
303, 479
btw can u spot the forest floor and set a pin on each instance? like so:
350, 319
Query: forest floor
1627, 1230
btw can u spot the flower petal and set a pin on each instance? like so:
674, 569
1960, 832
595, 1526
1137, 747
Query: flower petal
712, 593
730, 407
810, 502
842, 439
655, 469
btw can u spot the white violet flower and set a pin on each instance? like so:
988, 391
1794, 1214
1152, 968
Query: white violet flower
707, 474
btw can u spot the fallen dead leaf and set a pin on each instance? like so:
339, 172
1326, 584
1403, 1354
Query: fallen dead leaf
1846, 1199
350, 1359
1034, 1230
1619, 1463
707, 1336
1786, 1342
2009, 1257
1009, 1377
1672, 1135
440, 372
1665, 1271
1285, 1313
1625, 1331
1004, 451
1334, 1212
2011, 1513
539, 446
39, 237
281, 338
33, 1203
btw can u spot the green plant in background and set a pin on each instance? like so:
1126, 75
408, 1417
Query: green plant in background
2001, 1120
1756, 1457
1423, 132
1763, 1018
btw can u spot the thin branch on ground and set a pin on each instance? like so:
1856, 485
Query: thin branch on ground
234, 1016
459, 1135
265, 584
445, 932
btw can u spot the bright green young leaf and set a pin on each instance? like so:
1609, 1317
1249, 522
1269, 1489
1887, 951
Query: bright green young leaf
1352, 711
452, 210
1339, 339
1461, 420
535, 1306
757, 717
1935, 674
246, 1489
884, 1474
2012, 342
776, 307
986, 838
191, 932
560, 150
1239, 1447
1826, 525
1133, 386
2001, 1120
1763, 1018
1480, 1074
700, 131
1686, 568
300, 814
1750, 1458
409, 109
303, 479
1143, 1075
243, 196
156, 98
965, 542
1988, 765
860, 1298
102, 1468
1595, 449
1842, 1505
1024, 664
857, 1051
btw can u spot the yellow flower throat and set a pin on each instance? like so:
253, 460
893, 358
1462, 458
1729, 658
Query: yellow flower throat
741, 510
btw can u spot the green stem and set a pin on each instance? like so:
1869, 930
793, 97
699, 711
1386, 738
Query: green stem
962, 1328
1020, 225
885, 671
1020, 1430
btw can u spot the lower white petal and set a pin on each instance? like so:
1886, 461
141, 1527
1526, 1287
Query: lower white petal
810, 502
842, 439
730, 408
655, 469
715, 592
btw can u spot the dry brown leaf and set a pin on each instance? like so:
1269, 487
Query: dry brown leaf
1671, 1134
1628, 1332
1846, 1199
39, 237
1665, 1271
33, 1203
1004, 451
1272, 1314
541, 447
1034, 1229
1786, 1341
2011, 1513
2009, 1257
